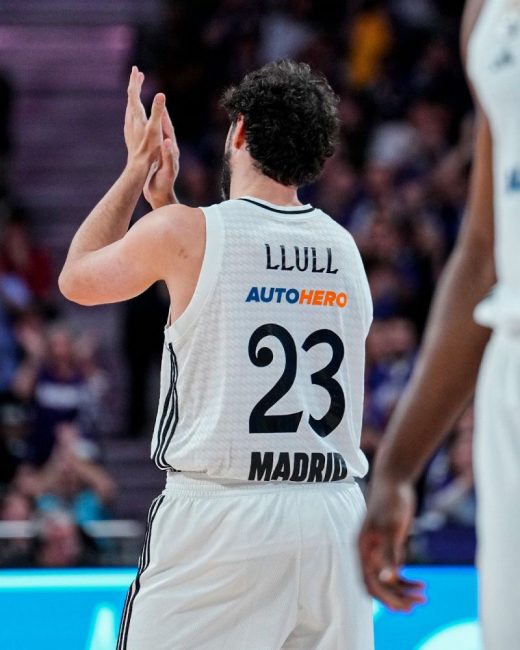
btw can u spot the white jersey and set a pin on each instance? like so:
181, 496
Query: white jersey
262, 375
494, 67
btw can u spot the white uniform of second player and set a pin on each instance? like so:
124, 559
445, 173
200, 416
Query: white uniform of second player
259, 427
494, 66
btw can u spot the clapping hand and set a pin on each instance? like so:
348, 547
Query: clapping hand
151, 142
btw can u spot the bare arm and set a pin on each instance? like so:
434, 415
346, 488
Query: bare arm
443, 380
121, 270
107, 262
445, 375
109, 220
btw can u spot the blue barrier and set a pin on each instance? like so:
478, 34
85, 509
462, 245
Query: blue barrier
80, 610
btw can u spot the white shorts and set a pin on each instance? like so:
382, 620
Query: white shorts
250, 567
497, 469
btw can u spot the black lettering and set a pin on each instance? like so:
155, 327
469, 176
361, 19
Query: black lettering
316, 468
261, 468
329, 262
269, 265
315, 268
285, 268
301, 467
340, 468
305, 265
329, 467
283, 467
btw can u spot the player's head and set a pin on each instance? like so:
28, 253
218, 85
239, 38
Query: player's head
285, 117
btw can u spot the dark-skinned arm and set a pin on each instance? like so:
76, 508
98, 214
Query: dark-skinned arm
442, 383
446, 372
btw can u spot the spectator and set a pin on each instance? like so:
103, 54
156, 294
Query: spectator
61, 543
16, 550
58, 390
13, 430
19, 256
72, 482
370, 42
391, 349
15, 297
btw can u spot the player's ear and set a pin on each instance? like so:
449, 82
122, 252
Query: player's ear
238, 136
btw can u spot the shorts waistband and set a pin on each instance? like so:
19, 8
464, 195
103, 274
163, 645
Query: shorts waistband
195, 483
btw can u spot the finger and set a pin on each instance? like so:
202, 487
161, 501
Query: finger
407, 592
134, 91
395, 581
134, 73
151, 173
157, 110
167, 157
167, 125
399, 594
411, 584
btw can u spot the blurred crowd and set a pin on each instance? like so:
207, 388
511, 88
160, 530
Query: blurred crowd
398, 182
51, 394
51, 399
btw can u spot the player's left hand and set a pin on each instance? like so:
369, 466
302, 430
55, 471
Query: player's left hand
158, 189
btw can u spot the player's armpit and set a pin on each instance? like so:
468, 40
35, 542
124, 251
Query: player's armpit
127, 267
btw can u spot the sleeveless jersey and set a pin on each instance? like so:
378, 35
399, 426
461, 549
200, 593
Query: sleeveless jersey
262, 375
494, 67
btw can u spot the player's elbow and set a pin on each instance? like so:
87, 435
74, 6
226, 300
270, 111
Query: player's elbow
71, 288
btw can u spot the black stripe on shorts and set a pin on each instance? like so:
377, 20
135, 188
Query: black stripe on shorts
144, 561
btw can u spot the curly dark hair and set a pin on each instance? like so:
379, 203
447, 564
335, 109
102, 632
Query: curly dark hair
290, 117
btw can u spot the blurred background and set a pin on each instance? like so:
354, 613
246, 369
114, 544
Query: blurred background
78, 387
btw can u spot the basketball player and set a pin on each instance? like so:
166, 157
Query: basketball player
446, 373
252, 545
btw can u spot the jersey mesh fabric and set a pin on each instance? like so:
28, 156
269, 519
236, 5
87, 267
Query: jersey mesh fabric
214, 374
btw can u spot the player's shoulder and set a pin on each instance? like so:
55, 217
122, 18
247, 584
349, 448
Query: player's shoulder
338, 229
177, 220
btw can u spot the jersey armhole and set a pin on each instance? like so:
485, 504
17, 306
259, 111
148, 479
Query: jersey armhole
367, 304
207, 279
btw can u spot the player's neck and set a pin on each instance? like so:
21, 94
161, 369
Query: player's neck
264, 188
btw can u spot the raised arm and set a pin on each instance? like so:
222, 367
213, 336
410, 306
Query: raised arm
443, 381
107, 262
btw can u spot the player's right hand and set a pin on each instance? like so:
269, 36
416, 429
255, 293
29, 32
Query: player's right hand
382, 541
158, 189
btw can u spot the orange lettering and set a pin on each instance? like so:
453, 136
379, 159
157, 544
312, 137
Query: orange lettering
341, 300
330, 299
306, 296
318, 298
